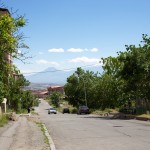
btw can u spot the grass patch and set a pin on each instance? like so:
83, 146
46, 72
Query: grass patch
43, 130
99, 111
3, 120
34, 113
22, 111
65, 104
144, 115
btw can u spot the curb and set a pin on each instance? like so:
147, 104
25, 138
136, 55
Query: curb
142, 118
51, 143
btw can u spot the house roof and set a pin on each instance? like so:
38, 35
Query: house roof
5, 10
45, 92
55, 87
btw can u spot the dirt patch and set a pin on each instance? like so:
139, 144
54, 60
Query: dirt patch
29, 135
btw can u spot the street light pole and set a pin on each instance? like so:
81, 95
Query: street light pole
85, 92
84, 89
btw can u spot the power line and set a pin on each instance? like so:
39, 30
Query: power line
60, 70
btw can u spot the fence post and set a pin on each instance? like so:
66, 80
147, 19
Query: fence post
0, 112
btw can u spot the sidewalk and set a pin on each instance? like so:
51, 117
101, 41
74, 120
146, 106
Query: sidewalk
23, 134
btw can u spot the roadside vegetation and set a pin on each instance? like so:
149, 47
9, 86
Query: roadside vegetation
122, 87
57, 100
124, 83
40, 124
3, 120
12, 82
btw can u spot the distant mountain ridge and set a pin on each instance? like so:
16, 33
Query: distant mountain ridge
52, 75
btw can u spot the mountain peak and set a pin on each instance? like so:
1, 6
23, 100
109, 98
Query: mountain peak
50, 69
56, 76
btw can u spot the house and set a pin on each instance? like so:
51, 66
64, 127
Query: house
40, 93
56, 88
4, 11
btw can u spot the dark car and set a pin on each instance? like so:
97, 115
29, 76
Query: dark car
83, 110
66, 110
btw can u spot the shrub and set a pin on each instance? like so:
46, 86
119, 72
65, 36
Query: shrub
73, 110
3, 120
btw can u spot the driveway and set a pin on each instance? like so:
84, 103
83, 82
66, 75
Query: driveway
86, 132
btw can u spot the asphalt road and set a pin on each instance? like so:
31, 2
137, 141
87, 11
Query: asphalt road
90, 132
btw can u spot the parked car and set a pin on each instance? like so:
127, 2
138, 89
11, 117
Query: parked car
83, 110
66, 110
52, 111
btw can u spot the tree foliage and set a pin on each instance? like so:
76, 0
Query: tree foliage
12, 46
125, 79
55, 98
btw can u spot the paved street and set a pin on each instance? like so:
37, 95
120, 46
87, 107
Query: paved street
86, 132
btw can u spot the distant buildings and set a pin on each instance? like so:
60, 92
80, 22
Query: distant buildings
40, 93
49, 91
43, 93
56, 88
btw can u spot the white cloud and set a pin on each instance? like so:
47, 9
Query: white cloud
84, 60
79, 50
72, 50
26, 72
45, 62
75, 50
56, 50
94, 49
86, 49
19, 52
40, 53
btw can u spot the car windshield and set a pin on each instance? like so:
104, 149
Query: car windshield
83, 107
52, 109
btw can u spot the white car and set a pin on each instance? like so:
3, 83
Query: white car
52, 111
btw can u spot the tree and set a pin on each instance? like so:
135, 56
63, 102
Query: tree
11, 45
27, 100
78, 87
136, 69
15, 92
125, 79
55, 97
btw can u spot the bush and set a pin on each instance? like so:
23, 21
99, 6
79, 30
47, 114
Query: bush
22, 111
36, 102
73, 110
3, 120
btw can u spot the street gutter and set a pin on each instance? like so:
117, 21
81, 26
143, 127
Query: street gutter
52, 145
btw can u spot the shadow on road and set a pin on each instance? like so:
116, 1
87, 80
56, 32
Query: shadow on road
118, 116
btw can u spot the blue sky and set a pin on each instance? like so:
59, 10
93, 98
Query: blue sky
71, 33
